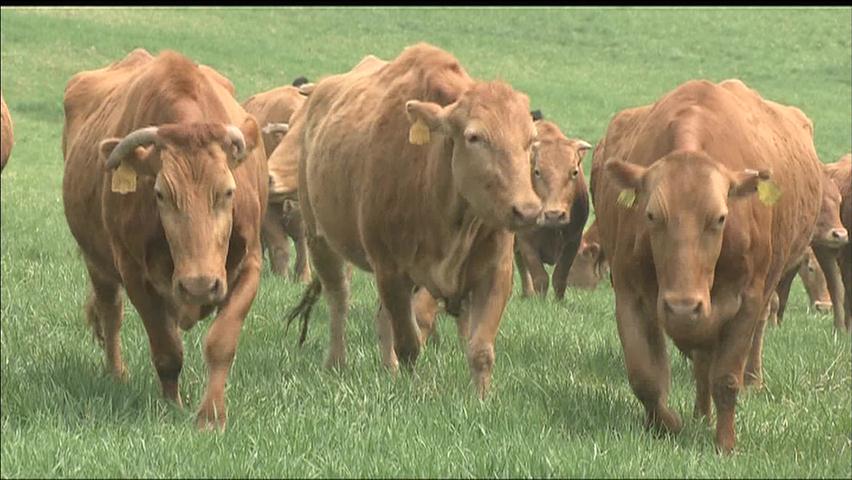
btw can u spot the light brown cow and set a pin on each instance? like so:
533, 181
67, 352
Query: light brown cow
828, 238
7, 137
590, 266
273, 109
697, 254
813, 280
558, 179
429, 206
165, 186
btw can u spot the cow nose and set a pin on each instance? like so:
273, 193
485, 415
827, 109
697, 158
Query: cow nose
840, 235
683, 306
526, 212
555, 216
200, 287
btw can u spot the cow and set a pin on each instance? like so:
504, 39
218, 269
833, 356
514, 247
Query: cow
589, 266
7, 140
273, 109
813, 280
828, 239
558, 179
164, 189
841, 173
694, 253
434, 205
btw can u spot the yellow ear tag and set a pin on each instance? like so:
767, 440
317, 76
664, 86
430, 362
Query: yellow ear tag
627, 197
124, 179
768, 192
419, 133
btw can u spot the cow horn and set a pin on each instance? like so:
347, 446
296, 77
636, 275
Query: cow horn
237, 140
142, 136
583, 144
276, 128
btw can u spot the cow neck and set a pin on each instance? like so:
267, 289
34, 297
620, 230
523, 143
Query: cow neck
460, 232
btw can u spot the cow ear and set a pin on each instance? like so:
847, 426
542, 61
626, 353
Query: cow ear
625, 175
745, 183
142, 159
251, 138
425, 117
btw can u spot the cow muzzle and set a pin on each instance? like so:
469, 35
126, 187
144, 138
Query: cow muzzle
553, 218
200, 289
524, 214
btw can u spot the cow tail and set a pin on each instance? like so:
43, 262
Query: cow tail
303, 309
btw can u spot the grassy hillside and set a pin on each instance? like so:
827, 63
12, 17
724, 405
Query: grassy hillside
561, 405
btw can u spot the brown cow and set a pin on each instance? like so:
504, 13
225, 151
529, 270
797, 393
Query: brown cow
829, 237
430, 206
165, 186
273, 109
693, 252
558, 179
589, 266
7, 137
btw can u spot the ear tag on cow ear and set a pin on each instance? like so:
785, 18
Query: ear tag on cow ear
419, 133
627, 197
768, 192
124, 179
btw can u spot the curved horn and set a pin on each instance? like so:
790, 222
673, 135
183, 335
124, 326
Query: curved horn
142, 136
276, 128
237, 140
582, 144
306, 89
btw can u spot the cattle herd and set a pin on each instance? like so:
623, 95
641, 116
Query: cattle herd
708, 202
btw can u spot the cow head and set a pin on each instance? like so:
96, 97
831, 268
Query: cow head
588, 268
493, 139
829, 230
813, 279
192, 168
683, 200
557, 173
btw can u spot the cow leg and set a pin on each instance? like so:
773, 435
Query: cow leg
701, 361
395, 291
527, 289
330, 270
535, 267
772, 310
384, 328
162, 328
827, 259
295, 229
753, 375
783, 290
645, 358
104, 314
563, 265
220, 344
275, 241
728, 365
484, 311
425, 312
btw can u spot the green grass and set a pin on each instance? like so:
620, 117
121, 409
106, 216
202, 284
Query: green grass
561, 405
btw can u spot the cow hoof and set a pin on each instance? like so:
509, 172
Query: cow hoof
334, 362
208, 420
753, 381
119, 373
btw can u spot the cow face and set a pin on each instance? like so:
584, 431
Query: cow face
829, 230
587, 270
192, 167
813, 279
493, 139
557, 174
683, 201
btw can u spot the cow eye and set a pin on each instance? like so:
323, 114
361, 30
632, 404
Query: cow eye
159, 194
537, 172
229, 193
721, 219
575, 172
650, 216
473, 138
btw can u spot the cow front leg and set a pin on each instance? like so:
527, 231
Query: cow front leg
220, 344
827, 259
395, 292
274, 240
484, 312
563, 265
535, 268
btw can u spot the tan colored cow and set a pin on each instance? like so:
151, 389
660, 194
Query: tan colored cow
590, 266
273, 109
813, 280
693, 252
7, 136
558, 179
165, 186
841, 173
828, 239
417, 172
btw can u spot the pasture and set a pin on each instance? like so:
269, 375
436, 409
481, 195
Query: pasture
560, 404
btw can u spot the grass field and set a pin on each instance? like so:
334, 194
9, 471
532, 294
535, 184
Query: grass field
561, 404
